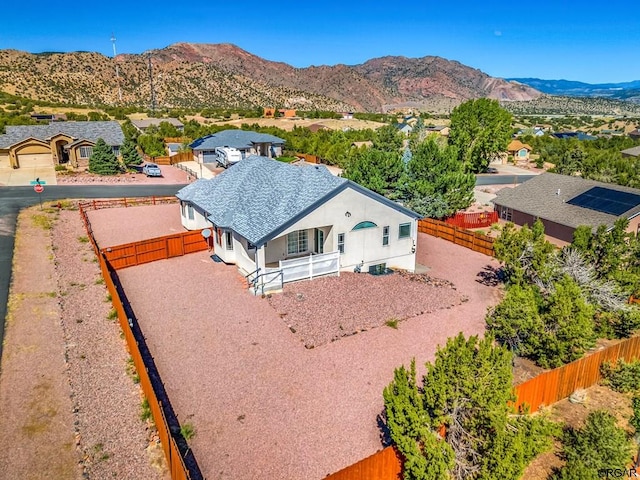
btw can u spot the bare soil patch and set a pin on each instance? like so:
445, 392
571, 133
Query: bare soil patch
325, 309
170, 175
69, 407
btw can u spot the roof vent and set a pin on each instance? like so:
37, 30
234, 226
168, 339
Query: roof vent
558, 192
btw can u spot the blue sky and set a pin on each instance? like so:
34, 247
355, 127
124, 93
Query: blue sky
585, 41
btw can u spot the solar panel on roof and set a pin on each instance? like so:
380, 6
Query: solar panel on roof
606, 200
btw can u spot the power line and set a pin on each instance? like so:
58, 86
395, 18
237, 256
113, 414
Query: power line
113, 42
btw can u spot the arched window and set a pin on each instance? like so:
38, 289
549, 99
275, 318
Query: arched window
365, 224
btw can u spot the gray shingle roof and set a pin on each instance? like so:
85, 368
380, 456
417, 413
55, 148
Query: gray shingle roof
259, 197
110, 132
539, 197
147, 122
239, 139
632, 152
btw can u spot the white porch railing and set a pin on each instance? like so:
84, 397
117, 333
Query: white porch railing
310, 266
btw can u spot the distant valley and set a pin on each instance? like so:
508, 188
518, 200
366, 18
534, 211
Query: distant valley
627, 91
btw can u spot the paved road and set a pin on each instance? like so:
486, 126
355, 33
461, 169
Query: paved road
492, 179
13, 199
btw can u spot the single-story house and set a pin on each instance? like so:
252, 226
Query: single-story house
576, 135
518, 150
442, 130
142, 125
48, 116
287, 113
404, 128
269, 112
366, 143
635, 134
564, 203
279, 223
56, 143
347, 115
249, 143
631, 152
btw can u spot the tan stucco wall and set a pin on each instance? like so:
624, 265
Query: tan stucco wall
634, 224
4, 159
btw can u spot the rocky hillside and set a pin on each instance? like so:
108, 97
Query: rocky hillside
223, 75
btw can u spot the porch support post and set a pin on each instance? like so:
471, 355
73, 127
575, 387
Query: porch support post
310, 267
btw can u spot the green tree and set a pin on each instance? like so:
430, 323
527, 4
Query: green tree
434, 173
569, 325
467, 390
130, 154
599, 445
376, 170
480, 130
102, 160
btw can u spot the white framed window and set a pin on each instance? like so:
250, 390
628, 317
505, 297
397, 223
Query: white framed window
183, 208
506, 213
341, 243
385, 236
297, 242
228, 240
404, 231
190, 212
85, 152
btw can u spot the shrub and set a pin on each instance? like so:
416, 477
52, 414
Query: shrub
622, 376
187, 431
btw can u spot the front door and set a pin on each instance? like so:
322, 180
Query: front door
319, 241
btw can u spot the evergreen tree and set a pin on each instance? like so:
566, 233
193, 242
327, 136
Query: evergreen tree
598, 446
103, 161
130, 154
467, 390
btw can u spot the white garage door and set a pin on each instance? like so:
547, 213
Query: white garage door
35, 160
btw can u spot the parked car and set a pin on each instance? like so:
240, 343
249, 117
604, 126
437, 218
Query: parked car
492, 170
152, 170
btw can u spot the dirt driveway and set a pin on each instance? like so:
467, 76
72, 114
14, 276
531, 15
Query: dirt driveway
263, 405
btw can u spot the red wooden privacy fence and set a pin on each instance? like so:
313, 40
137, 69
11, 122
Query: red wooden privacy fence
175, 461
473, 220
459, 236
160, 248
383, 465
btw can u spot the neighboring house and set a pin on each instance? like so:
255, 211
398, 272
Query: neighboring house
631, 152
269, 216
564, 203
57, 143
249, 143
269, 113
518, 150
439, 129
635, 134
577, 135
48, 116
142, 125
404, 128
536, 131
287, 113
173, 148
366, 143
347, 115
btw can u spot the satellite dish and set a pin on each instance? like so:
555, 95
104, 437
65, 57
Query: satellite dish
206, 233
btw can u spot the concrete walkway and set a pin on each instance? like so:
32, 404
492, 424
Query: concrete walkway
199, 170
18, 177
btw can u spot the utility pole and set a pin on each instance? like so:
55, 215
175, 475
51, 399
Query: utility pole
113, 42
153, 94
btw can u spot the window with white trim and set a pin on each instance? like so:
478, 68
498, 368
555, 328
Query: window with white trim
506, 213
190, 212
341, 243
385, 236
297, 242
85, 152
116, 150
404, 230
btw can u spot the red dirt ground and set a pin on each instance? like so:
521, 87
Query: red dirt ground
262, 405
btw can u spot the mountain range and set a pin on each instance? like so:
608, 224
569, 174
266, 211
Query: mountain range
225, 76
628, 91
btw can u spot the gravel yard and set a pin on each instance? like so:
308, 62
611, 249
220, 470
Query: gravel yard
326, 309
112, 227
170, 175
263, 405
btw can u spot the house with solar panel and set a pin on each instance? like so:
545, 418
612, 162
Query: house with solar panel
280, 223
248, 143
563, 203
